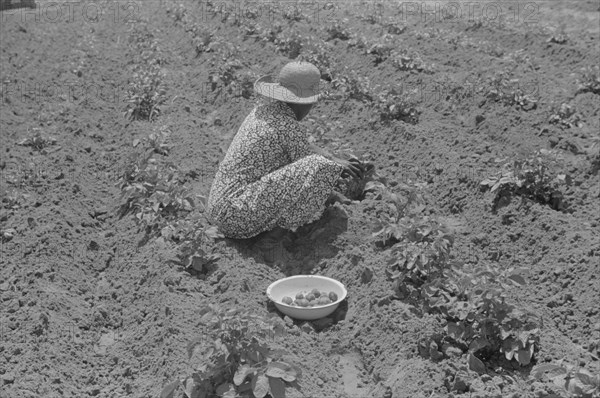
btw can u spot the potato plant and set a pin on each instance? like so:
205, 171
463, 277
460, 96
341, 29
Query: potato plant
338, 30
380, 51
480, 320
401, 105
153, 192
559, 36
393, 27
353, 86
532, 177
237, 360
318, 53
224, 76
289, 44
511, 92
471, 298
406, 60
146, 91
404, 219
589, 80
566, 116
38, 141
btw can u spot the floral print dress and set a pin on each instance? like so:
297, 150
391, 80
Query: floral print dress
269, 177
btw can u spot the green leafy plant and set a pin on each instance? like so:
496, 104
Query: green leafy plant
353, 188
576, 382
337, 30
407, 60
38, 141
289, 44
381, 51
559, 36
237, 361
374, 16
393, 27
292, 12
353, 86
510, 92
157, 141
531, 177
589, 80
358, 42
153, 192
420, 244
471, 298
565, 115
177, 11
12, 198
146, 92
318, 53
224, 75
271, 33
203, 40
395, 104
480, 320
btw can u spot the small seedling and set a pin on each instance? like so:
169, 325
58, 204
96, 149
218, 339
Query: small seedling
38, 141
566, 115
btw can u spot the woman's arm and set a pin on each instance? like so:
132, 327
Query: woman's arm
352, 167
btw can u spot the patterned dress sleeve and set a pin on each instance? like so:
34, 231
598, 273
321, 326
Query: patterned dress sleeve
297, 142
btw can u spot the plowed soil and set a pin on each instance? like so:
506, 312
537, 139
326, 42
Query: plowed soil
91, 306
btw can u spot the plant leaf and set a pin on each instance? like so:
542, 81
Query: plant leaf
226, 390
475, 364
539, 370
191, 389
496, 186
169, 389
478, 344
585, 377
260, 385
574, 386
277, 387
281, 370
241, 374
523, 356
455, 330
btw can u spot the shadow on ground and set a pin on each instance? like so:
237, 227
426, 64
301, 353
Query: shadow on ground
296, 253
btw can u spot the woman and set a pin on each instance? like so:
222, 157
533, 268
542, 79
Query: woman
271, 176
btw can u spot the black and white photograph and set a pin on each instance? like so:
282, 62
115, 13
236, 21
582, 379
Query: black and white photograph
301, 199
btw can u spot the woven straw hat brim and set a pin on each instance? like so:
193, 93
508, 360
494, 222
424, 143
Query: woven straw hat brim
266, 87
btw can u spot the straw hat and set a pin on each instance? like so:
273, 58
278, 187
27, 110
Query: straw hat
298, 83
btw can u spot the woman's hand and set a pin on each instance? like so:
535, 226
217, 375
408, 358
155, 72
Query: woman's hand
352, 167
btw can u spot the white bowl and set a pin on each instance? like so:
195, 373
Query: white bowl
292, 285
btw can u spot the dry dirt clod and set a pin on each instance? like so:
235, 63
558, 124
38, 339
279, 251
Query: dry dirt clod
322, 323
307, 327
8, 378
8, 234
367, 275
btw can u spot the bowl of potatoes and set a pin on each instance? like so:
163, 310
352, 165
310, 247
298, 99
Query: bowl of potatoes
307, 297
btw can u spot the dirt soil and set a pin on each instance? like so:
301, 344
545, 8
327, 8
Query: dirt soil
90, 307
